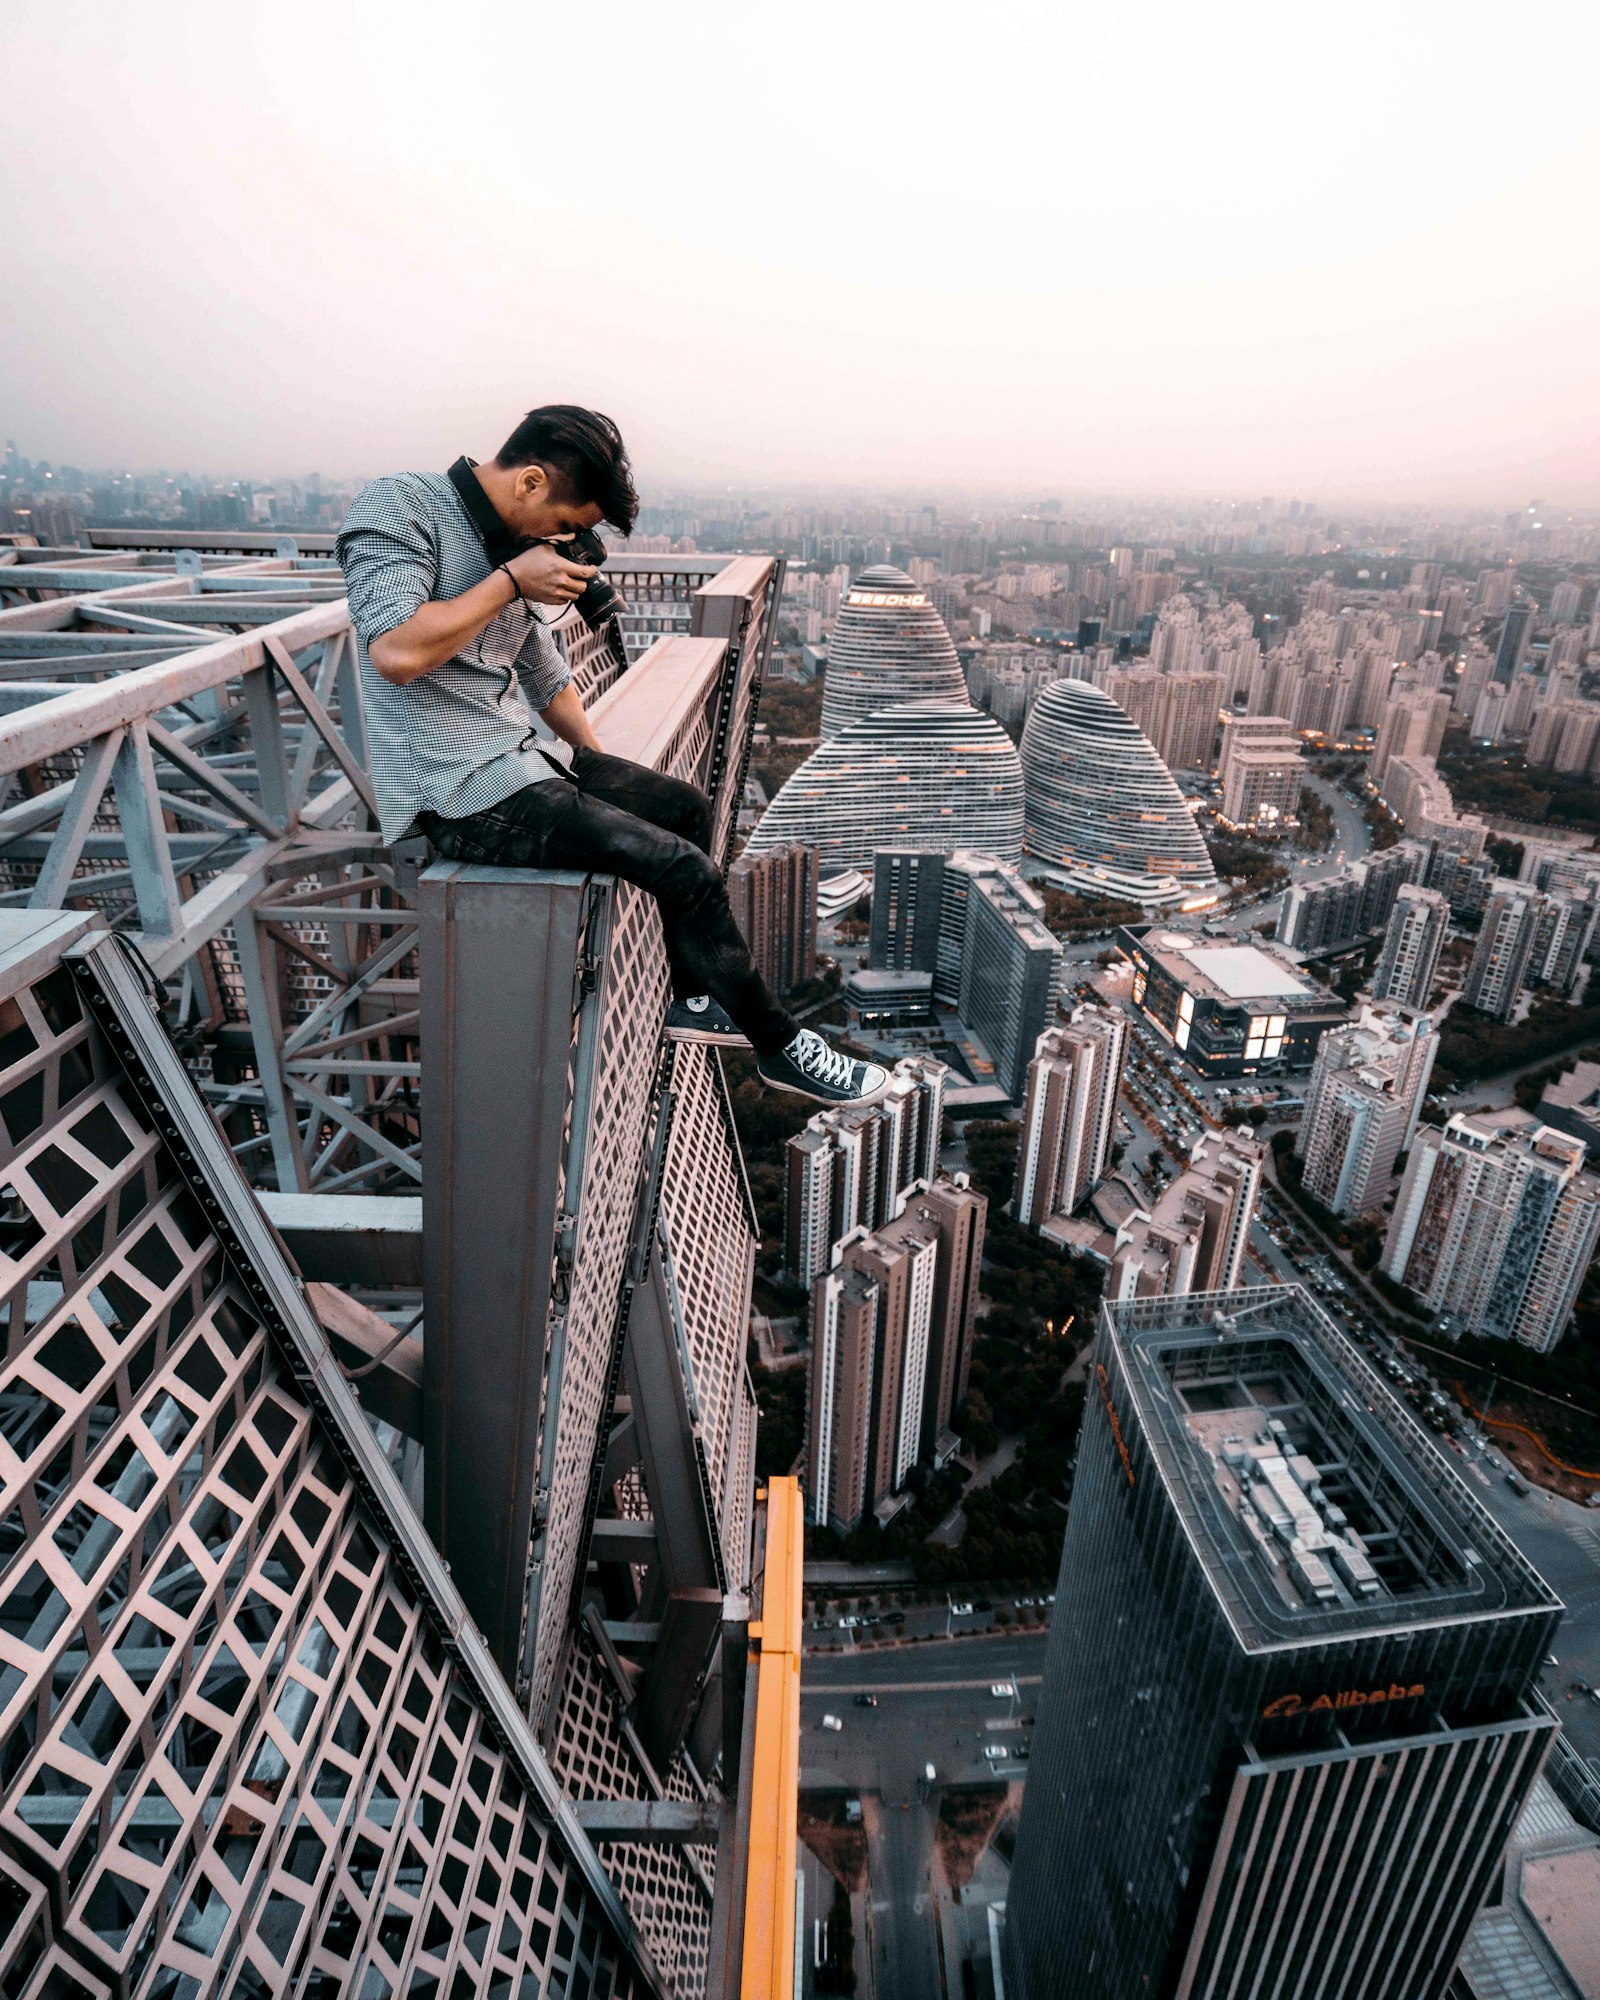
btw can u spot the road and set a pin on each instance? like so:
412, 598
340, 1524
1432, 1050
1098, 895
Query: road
1562, 1541
934, 1706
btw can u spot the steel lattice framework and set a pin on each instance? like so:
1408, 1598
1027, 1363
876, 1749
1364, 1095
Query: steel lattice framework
385, 1786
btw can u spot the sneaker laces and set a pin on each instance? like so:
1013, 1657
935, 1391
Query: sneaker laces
824, 1064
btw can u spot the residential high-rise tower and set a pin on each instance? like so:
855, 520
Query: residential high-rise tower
891, 1339
774, 900
1193, 1238
1495, 1225
1069, 1117
1504, 952
1411, 947
853, 1167
1363, 1100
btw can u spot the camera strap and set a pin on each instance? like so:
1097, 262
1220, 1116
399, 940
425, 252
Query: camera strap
500, 544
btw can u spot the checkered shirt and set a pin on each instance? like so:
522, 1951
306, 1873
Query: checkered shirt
461, 738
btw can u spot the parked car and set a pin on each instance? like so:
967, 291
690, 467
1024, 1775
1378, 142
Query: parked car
995, 1752
832, 1722
866, 1701
1003, 1690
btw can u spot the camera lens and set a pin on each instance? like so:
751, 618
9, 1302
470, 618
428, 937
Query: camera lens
600, 601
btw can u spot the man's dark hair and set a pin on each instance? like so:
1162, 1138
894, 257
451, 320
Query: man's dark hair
586, 448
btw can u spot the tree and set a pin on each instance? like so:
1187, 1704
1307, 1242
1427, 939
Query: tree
992, 1157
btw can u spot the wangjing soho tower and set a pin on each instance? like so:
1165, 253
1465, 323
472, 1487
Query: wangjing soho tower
888, 646
1103, 815
933, 774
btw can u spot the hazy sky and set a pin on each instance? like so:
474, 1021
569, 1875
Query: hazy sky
1225, 246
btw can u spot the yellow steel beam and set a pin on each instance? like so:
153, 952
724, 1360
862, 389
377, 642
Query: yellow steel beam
767, 1972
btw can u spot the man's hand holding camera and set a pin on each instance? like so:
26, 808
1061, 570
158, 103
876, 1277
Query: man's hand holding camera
545, 576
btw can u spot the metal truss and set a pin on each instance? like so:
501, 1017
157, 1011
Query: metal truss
250, 1740
184, 753
190, 770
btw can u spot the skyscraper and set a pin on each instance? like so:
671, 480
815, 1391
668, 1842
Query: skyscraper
956, 1210
1069, 1117
889, 646
1411, 947
1504, 951
1514, 637
1495, 1225
1103, 815
774, 900
1194, 1237
1342, 908
1261, 770
1411, 725
891, 1339
1289, 1711
929, 774
907, 889
1010, 970
853, 1167
1363, 1100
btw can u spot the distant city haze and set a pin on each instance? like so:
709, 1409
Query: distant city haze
1232, 248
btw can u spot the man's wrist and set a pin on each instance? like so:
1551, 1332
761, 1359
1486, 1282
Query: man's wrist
516, 588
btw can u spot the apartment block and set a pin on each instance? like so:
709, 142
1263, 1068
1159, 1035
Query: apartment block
774, 901
1495, 1225
892, 1323
1193, 1238
1412, 943
1069, 1117
1262, 771
1363, 1100
853, 1168
1504, 952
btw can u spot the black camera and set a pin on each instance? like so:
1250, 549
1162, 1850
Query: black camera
599, 602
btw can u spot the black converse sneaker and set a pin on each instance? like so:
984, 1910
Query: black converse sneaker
811, 1068
703, 1020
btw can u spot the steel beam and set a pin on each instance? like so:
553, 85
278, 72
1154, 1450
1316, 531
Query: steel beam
351, 1239
500, 952
670, 1822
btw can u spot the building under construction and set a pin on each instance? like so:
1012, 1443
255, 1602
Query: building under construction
387, 1604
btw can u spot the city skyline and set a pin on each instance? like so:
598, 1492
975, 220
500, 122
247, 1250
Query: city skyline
1313, 293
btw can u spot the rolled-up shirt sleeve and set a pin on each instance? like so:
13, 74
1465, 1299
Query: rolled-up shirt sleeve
542, 666
390, 562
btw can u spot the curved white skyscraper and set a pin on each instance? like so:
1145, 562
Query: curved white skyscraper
930, 774
888, 646
1103, 814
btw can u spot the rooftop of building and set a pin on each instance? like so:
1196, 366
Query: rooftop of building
1577, 1090
1319, 1509
887, 983
1376, 1043
1230, 972
1512, 1127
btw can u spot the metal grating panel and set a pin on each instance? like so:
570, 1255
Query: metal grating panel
711, 1240
247, 1744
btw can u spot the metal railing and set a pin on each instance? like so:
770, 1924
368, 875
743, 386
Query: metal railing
185, 754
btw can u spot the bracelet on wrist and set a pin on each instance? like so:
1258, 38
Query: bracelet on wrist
516, 588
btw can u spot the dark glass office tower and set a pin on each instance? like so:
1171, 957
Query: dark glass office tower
1288, 1715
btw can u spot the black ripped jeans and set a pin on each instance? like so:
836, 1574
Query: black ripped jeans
615, 818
